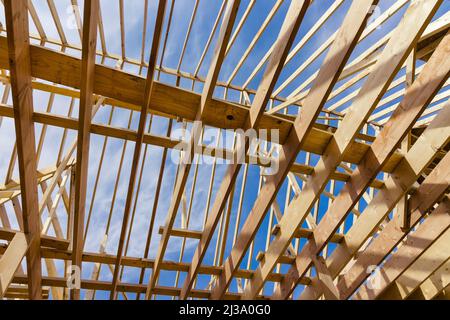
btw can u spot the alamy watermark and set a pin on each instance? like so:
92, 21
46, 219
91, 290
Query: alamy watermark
259, 147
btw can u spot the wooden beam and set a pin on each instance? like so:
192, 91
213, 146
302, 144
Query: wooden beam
391, 59
16, 13
160, 14
325, 280
46, 241
222, 114
185, 165
226, 28
275, 65
89, 42
164, 99
136, 262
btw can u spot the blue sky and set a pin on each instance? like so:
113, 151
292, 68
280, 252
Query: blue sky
206, 15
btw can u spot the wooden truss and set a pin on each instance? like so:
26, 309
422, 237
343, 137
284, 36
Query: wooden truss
357, 208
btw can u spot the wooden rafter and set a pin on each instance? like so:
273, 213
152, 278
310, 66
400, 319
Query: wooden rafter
85, 116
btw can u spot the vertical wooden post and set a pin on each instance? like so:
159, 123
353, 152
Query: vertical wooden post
16, 13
